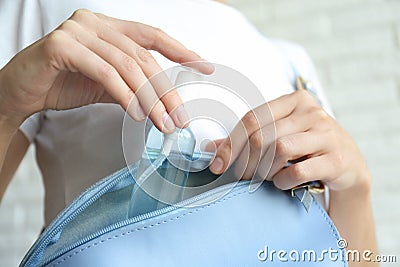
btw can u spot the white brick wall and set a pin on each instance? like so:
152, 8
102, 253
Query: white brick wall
356, 47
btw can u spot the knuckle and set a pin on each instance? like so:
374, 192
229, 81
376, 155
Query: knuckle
143, 54
151, 36
224, 149
85, 17
312, 109
158, 33
53, 42
303, 95
256, 141
100, 15
318, 115
68, 25
107, 72
130, 64
250, 120
170, 97
81, 13
283, 147
289, 99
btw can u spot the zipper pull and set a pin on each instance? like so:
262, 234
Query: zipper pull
304, 193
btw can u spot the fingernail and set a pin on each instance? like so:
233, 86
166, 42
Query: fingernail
140, 113
217, 165
168, 123
181, 116
209, 66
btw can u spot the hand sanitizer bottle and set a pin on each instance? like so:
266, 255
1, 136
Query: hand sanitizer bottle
163, 171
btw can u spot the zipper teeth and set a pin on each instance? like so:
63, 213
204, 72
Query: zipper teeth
144, 217
45, 240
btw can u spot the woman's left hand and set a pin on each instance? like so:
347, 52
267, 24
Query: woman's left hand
301, 131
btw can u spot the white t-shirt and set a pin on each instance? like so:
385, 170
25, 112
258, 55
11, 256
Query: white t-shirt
75, 148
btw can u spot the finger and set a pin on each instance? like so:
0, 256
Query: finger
258, 144
293, 147
131, 73
299, 101
227, 153
212, 146
297, 136
158, 79
262, 140
254, 120
266, 162
295, 123
244, 160
231, 147
315, 168
282, 150
170, 100
248, 160
278, 110
93, 66
155, 39
293, 132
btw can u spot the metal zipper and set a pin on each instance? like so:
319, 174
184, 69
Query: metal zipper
146, 216
108, 183
55, 228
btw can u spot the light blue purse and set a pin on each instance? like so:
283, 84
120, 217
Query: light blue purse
226, 226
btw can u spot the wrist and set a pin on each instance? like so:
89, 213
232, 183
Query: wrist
8, 126
9, 121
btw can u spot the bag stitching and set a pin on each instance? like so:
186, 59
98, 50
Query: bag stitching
333, 228
66, 257
149, 226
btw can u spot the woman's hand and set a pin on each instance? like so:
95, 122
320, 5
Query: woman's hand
93, 58
302, 132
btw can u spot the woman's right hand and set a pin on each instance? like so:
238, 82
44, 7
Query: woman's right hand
93, 58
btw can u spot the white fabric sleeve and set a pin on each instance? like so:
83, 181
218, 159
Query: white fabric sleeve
298, 56
30, 127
